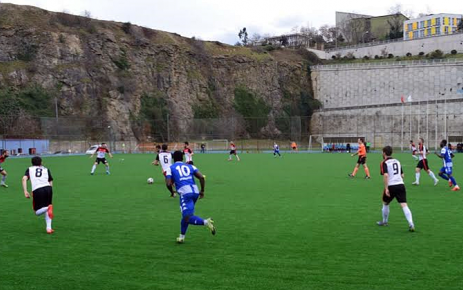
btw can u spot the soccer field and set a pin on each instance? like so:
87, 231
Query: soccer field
292, 223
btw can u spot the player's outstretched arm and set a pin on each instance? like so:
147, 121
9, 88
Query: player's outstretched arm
24, 182
110, 155
202, 181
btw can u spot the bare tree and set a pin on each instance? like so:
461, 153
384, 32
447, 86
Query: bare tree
243, 35
398, 8
255, 38
86, 14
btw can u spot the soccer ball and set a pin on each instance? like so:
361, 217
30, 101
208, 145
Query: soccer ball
150, 180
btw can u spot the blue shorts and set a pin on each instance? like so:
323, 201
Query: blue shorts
446, 170
187, 203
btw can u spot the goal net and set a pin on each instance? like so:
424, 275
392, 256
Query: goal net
217, 145
320, 143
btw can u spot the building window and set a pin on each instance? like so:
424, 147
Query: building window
421, 33
421, 24
446, 29
429, 22
429, 31
438, 21
438, 30
410, 27
415, 34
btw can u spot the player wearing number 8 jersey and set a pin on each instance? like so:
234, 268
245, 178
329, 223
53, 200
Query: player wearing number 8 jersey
42, 193
182, 175
393, 188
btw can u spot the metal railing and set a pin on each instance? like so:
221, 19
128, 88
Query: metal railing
389, 63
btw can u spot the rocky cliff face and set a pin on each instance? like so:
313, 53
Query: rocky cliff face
104, 69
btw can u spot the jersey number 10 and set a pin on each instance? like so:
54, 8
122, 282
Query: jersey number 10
183, 170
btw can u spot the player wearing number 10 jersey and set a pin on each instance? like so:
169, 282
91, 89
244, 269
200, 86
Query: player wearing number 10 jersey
42, 193
394, 188
183, 175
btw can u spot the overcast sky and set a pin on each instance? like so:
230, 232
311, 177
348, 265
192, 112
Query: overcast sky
221, 20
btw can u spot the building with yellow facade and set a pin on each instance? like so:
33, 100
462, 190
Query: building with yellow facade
431, 25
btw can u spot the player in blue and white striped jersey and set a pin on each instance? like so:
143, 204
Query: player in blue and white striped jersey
447, 170
183, 175
276, 150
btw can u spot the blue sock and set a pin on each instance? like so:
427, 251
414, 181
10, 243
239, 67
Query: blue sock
183, 226
441, 174
453, 180
196, 220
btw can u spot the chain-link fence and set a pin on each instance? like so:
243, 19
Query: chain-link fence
381, 130
25, 134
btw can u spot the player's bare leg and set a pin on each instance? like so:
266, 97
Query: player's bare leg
4, 175
367, 171
237, 157
356, 168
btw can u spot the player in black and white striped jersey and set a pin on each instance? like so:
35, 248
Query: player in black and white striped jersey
394, 188
42, 193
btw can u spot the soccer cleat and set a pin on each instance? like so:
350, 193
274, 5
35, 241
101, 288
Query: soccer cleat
210, 225
108, 173
50, 211
367, 177
411, 228
382, 224
436, 182
456, 188
450, 183
4, 185
50, 231
416, 183
180, 240
91, 173
350, 175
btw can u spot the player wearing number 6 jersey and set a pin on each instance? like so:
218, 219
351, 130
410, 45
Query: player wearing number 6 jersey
394, 188
42, 193
183, 175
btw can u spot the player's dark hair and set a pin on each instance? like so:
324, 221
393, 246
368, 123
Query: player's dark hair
363, 140
422, 140
387, 150
36, 161
103, 143
158, 146
164, 146
186, 143
178, 156
411, 141
443, 142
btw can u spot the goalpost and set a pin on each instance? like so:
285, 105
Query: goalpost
316, 143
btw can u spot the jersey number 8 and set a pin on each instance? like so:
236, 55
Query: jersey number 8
38, 172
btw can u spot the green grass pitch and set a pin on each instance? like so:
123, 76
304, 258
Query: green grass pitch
292, 223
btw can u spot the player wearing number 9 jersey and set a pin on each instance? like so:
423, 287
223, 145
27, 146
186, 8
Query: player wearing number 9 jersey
182, 175
394, 188
42, 193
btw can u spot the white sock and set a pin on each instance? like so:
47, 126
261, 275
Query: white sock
107, 168
205, 222
93, 168
408, 215
417, 176
182, 236
42, 210
432, 175
237, 157
3, 178
230, 157
385, 213
48, 221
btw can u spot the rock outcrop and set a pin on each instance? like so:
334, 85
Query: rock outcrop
102, 69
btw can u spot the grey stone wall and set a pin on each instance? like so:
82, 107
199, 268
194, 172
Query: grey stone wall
365, 101
446, 43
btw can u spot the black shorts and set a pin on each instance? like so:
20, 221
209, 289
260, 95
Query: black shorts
396, 191
232, 152
42, 197
362, 160
423, 164
102, 160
